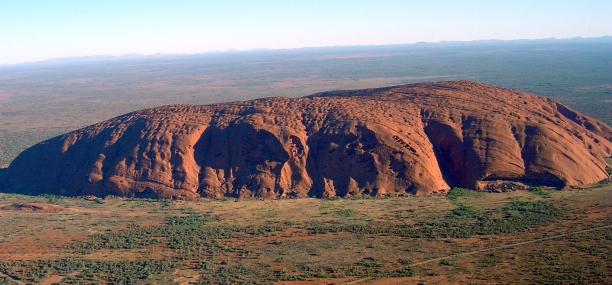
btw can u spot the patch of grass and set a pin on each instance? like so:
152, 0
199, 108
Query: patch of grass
226, 199
456, 193
466, 211
345, 212
52, 199
539, 191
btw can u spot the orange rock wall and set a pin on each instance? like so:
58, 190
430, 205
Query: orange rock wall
412, 139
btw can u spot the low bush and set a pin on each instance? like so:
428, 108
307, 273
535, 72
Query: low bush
456, 193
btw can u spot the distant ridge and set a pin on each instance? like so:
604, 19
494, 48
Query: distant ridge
134, 56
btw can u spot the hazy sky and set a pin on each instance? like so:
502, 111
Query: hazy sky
33, 30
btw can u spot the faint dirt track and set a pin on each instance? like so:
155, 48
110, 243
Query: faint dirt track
488, 249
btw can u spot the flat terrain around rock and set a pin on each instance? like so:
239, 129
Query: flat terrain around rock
32, 207
412, 139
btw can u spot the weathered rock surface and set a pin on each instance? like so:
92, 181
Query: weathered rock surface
412, 139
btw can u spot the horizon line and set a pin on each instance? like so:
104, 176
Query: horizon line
108, 57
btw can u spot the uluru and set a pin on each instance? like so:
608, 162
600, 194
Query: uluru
413, 139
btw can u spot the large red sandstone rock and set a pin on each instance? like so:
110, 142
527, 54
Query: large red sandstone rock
414, 139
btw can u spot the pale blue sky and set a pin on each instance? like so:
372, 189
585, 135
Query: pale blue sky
32, 30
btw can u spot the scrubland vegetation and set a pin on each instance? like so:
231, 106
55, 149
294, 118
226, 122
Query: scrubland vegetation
475, 238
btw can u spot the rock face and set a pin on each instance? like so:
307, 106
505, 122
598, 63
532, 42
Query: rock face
412, 139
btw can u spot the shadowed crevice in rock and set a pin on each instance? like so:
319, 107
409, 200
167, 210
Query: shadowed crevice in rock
240, 161
447, 147
580, 119
4, 183
341, 162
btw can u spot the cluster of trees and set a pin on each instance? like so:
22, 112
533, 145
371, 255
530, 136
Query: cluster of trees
465, 222
115, 272
188, 235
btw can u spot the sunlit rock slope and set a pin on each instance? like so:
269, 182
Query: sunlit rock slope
411, 139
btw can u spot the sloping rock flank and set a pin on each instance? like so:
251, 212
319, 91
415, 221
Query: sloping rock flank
412, 139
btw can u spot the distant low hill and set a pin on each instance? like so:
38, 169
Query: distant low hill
403, 140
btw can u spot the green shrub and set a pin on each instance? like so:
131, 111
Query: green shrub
52, 199
466, 211
405, 261
345, 212
446, 262
406, 272
539, 191
455, 193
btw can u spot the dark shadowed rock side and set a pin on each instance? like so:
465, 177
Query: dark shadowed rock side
411, 139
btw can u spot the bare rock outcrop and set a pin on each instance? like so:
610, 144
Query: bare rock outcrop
411, 139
